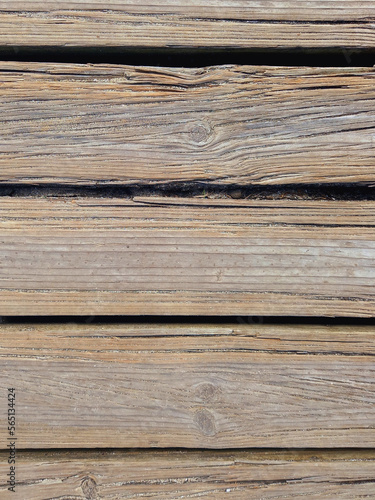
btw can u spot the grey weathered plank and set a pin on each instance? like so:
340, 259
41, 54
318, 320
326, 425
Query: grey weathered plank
199, 386
171, 475
82, 124
233, 23
186, 256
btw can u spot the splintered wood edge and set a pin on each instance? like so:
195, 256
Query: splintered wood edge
220, 126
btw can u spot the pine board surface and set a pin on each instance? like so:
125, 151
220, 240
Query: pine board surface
193, 386
107, 124
170, 475
195, 256
168, 385
225, 24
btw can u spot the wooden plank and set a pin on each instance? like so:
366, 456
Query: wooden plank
193, 386
222, 125
85, 256
207, 23
175, 475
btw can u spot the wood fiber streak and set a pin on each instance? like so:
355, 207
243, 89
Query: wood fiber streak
85, 256
193, 386
230, 24
96, 124
176, 475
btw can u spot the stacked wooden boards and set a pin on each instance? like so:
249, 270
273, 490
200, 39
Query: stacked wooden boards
136, 385
126, 405
118, 125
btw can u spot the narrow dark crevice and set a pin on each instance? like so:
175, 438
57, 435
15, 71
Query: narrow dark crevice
355, 192
198, 57
189, 320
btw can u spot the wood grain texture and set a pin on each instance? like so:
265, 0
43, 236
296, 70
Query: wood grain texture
166, 475
215, 23
198, 386
152, 255
82, 124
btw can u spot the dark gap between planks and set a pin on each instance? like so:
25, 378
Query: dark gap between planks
98, 321
175, 57
354, 192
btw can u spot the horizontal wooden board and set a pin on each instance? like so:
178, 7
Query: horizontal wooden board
176, 475
198, 23
198, 386
82, 124
85, 256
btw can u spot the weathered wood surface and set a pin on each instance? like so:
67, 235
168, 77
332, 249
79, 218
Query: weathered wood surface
85, 124
177, 475
229, 24
186, 256
199, 386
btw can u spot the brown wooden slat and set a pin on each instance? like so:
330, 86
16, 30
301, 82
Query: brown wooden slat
192, 256
176, 475
199, 386
229, 24
78, 124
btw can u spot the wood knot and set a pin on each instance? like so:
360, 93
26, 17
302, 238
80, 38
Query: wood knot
89, 488
205, 422
200, 133
206, 391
